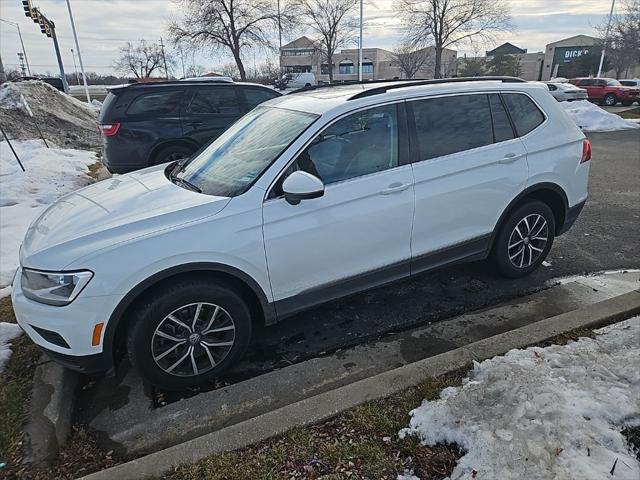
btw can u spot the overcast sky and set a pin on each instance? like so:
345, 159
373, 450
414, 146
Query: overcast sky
105, 25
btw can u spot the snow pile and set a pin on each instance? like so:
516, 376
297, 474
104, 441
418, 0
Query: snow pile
50, 173
591, 118
63, 120
543, 413
8, 331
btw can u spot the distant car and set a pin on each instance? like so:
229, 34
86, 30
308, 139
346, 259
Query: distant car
631, 82
607, 91
297, 80
154, 123
565, 92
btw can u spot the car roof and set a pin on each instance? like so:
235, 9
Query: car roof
322, 100
184, 83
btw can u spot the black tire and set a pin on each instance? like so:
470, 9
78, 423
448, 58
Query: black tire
171, 154
168, 299
501, 251
610, 100
627, 104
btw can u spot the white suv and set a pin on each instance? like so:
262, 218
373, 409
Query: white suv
307, 198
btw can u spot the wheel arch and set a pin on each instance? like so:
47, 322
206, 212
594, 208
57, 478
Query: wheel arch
549, 193
185, 142
262, 310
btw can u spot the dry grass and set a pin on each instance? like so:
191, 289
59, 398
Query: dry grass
634, 113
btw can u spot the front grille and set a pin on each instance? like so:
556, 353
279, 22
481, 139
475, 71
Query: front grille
51, 337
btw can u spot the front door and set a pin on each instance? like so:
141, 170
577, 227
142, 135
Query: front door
355, 236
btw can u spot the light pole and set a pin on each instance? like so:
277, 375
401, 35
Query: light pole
606, 37
24, 52
360, 49
75, 67
75, 37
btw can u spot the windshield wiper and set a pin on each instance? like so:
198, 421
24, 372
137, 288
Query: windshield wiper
185, 183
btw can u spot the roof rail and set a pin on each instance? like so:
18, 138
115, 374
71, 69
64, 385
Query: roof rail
408, 83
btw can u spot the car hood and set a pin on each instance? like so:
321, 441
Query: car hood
109, 212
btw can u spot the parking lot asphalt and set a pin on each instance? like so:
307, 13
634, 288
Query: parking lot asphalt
605, 237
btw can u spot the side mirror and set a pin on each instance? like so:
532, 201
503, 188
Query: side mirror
302, 186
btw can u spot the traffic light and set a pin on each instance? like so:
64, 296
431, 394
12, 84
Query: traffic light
45, 25
35, 15
28, 8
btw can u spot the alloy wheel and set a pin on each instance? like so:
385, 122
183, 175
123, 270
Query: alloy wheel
528, 240
193, 339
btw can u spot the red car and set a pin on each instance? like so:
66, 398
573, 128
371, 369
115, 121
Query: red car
607, 91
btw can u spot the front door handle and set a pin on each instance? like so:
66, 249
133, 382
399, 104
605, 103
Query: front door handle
510, 157
395, 188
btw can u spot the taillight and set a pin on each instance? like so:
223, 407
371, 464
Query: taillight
586, 151
109, 129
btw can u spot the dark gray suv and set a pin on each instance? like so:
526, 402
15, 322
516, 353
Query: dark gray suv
153, 123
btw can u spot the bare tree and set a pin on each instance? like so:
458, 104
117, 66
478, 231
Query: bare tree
445, 23
333, 23
230, 25
141, 59
409, 59
623, 40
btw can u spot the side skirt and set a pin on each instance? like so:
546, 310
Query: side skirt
469, 251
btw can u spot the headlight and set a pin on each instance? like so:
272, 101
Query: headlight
53, 288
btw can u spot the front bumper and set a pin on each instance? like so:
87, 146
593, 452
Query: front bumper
65, 333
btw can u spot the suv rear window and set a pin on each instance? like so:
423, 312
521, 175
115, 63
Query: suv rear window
448, 125
222, 100
525, 114
255, 96
156, 103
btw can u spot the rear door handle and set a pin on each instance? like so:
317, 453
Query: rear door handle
511, 157
395, 188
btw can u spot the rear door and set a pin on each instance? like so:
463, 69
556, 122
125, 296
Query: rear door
468, 166
210, 111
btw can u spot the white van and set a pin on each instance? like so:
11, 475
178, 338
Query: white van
298, 80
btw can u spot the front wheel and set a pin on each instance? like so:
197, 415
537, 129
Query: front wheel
188, 332
524, 240
610, 100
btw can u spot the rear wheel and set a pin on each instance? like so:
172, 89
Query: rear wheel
188, 332
172, 153
610, 100
524, 240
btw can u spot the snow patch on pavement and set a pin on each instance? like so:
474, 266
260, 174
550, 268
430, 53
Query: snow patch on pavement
591, 118
543, 413
8, 332
50, 173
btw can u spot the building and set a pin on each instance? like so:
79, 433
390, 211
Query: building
558, 55
303, 55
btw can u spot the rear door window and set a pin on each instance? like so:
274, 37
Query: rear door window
525, 114
502, 129
255, 96
156, 103
217, 99
448, 125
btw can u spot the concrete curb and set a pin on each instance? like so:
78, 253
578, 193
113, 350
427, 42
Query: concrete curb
326, 405
50, 416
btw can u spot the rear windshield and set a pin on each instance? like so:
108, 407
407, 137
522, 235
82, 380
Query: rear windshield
238, 157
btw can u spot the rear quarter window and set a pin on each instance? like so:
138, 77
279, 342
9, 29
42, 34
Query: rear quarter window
525, 114
156, 103
255, 96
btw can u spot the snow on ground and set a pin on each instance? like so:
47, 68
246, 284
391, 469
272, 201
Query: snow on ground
8, 331
544, 413
592, 118
50, 173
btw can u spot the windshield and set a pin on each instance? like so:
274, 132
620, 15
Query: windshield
613, 83
231, 163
